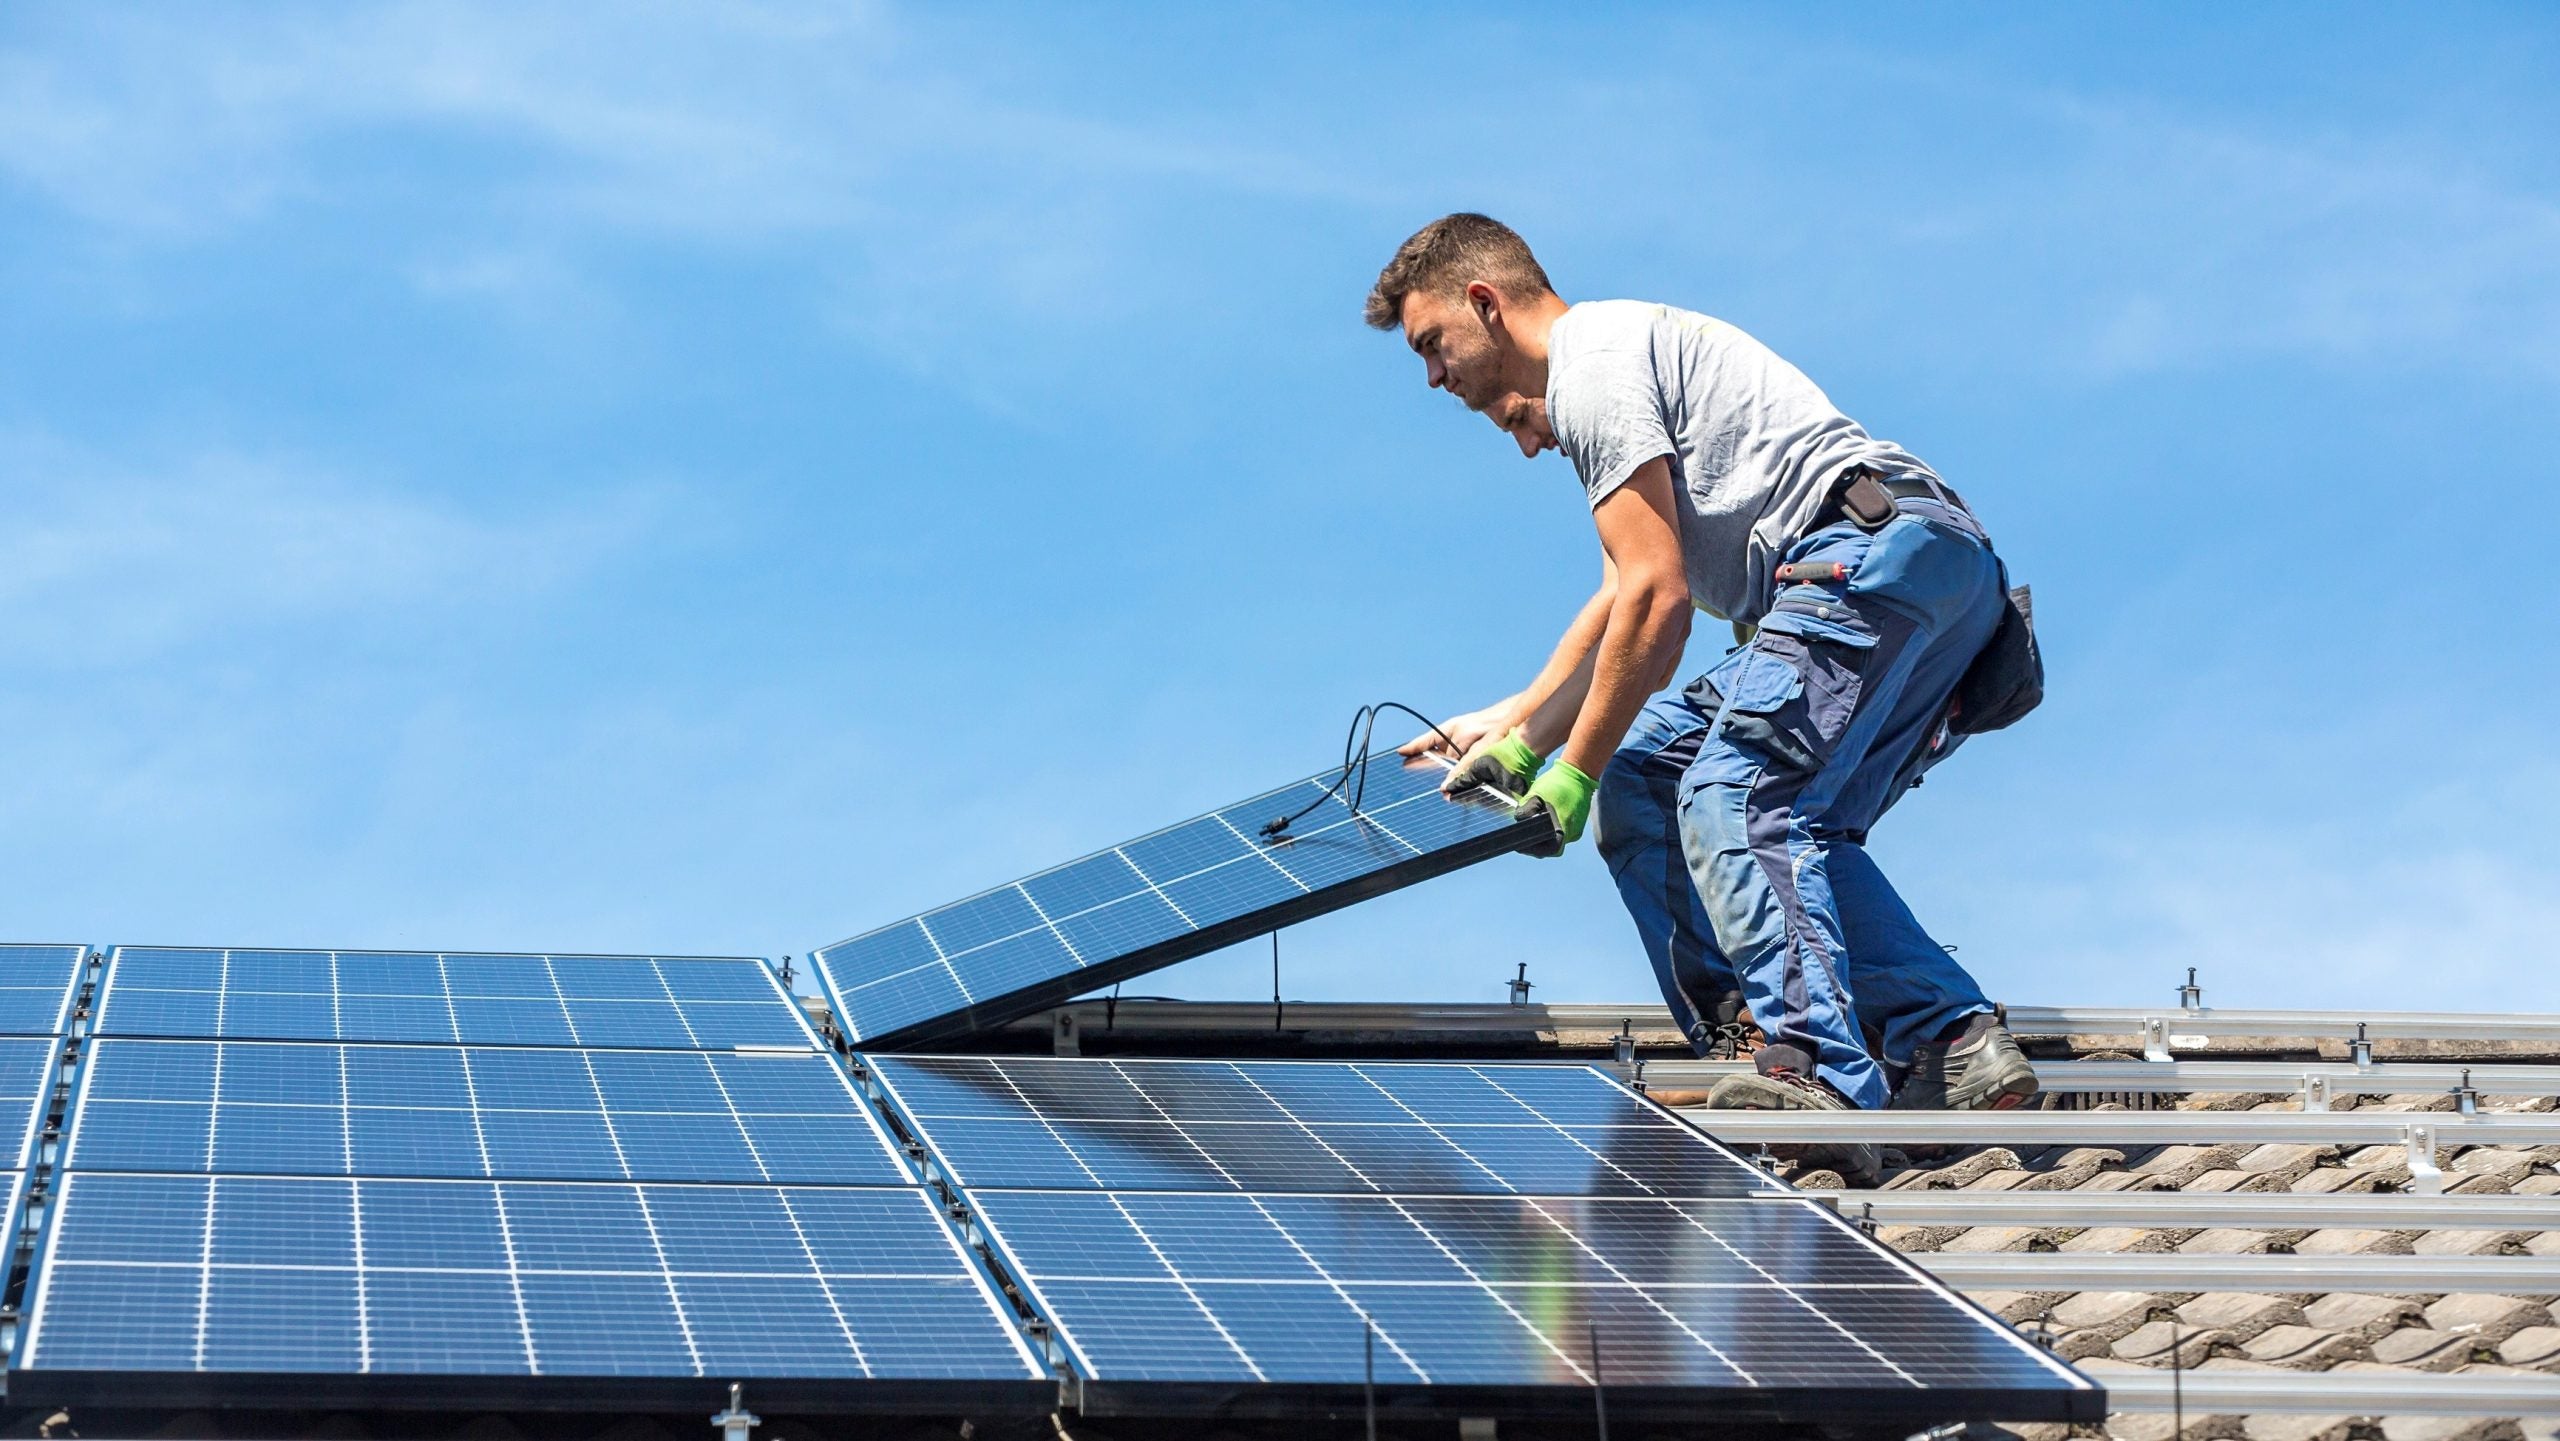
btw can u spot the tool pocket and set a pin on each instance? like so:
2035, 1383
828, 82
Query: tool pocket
1794, 696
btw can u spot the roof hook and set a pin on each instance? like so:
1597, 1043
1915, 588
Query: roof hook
737, 1423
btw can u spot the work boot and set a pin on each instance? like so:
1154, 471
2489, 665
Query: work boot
1778, 1087
1979, 1069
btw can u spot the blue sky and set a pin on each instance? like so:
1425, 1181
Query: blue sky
475, 476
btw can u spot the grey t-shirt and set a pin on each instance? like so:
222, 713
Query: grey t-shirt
1754, 445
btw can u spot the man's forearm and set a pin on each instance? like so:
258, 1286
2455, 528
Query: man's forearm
1644, 631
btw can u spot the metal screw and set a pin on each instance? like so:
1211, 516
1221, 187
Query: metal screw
2191, 995
1520, 986
2360, 1050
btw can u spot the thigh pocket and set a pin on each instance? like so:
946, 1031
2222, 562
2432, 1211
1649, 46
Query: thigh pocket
1793, 698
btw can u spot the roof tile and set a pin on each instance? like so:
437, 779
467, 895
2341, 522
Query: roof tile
2491, 1318
2244, 1314
2535, 1347
2307, 1348
2423, 1349
2372, 1317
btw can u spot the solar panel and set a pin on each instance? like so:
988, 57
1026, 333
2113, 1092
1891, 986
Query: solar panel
36, 985
152, 1275
1155, 1125
1222, 1236
307, 1108
1165, 897
678, 1002
1739, 1296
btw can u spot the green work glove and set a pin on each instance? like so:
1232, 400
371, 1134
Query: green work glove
1562, 793
1507, 765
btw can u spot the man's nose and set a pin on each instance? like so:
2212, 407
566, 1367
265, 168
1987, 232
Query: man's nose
1436, 373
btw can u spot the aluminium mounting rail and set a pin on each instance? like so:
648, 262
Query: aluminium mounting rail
2395, 1392
2367, 1127
1174, 1016
2376, 1210
2280, 1274
2334, 1078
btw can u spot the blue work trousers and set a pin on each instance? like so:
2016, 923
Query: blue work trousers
1735, 815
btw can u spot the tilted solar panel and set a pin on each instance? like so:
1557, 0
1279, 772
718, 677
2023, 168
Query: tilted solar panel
677, 1002
1259, 1237
36, 985
1157, 1125
1181, 892
314, 1108
158, 1280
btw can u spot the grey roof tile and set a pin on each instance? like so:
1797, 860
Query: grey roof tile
2154, 1343
2490, 1318
2114, 1313
2533, 1348
2424, 1349
2372, 1317
2244, 1314
2306, 1348
2344, 1241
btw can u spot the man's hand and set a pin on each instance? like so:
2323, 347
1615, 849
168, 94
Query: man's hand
1561, 793
1505, 764
1468, 731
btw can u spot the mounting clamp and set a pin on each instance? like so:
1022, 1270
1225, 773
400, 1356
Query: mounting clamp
2425, 1177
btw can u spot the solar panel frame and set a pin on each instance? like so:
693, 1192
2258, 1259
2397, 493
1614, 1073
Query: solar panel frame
903, 985
691, 1290
480, 998
162, 1084
27, 981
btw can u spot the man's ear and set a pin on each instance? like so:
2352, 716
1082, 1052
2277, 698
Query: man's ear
1486, 302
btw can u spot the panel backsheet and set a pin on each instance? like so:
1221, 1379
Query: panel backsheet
284, 1275
1407, 1129
305, 1108
1158, 899
676, 1002
36, 985
1491, 1290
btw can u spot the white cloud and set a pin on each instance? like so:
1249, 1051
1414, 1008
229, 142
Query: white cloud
111, 563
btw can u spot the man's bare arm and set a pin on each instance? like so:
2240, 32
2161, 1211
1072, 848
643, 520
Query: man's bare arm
1647, 621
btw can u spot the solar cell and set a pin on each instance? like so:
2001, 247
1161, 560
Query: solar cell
36, 986
1165, 897
1158, 1125
188, 1274
314, 1108
674, 1002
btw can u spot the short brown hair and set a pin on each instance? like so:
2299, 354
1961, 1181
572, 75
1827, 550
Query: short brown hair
1449, 254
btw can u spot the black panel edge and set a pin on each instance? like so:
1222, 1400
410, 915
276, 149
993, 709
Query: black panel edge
828, 1396
1013, 1005
1901, 1406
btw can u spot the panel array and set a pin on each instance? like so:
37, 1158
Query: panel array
1162, 898
280, 1167
1508, 1233
681, 1002
192, 1273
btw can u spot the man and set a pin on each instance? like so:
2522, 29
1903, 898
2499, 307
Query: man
1733, 813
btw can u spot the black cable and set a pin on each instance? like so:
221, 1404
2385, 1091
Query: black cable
1355, 761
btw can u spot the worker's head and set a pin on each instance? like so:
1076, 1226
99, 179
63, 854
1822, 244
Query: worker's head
1475, 305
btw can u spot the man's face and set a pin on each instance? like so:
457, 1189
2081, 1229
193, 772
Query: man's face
1466, 352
